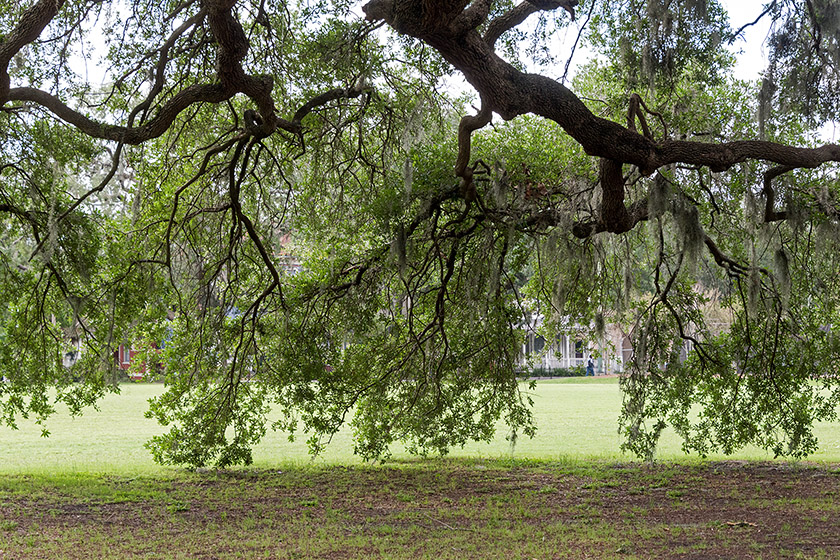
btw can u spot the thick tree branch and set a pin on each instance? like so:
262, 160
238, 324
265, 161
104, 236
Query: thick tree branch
614, 215
31, 24
567, 5
510, 93
635, 213
153, 128
473, 16
508, 21
232, 46
720, 157
19, 212
168, 112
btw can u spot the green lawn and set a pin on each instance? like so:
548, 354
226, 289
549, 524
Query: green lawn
91, 491
437, 509
577, 419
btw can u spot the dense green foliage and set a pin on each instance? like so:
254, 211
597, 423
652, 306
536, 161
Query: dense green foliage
405, 318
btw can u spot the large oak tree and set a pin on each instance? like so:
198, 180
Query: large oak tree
166, 164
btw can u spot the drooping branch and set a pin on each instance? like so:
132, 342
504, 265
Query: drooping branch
468, 125
577, 40
520, 13
737, 34
236, 205
332, 95
770, 213
733, 267
160, 68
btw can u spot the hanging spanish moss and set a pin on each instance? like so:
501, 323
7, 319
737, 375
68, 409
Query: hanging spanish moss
804, 50
408, 176
659, 195
660, 35
599, 325
691, 232
698, 8
765, 104
499, 185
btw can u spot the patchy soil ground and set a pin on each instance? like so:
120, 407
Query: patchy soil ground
434, 509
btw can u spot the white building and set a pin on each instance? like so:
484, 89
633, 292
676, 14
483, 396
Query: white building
571, 349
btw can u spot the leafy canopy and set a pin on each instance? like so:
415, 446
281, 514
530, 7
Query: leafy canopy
279, 205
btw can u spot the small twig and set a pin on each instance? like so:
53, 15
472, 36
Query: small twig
743, 27
445, 524
577, 40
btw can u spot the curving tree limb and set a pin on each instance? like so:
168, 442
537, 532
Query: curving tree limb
31, 24
510, 92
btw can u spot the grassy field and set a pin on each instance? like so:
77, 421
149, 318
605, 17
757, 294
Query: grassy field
446, 509
91, 491
577, 419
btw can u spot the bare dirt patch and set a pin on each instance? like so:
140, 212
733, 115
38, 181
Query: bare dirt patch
439, 510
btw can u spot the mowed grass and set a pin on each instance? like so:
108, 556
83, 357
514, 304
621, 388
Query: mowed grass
577, 419
437, 509
91, 491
